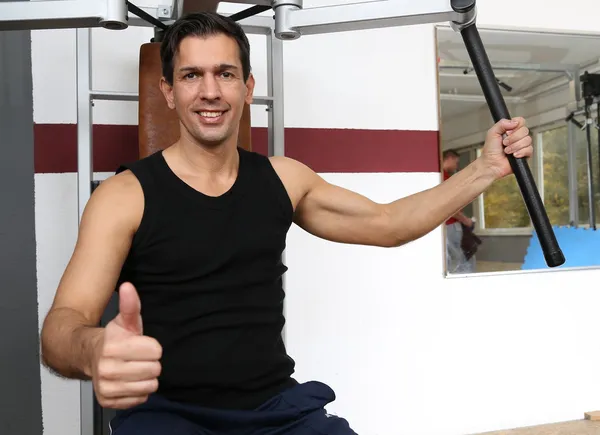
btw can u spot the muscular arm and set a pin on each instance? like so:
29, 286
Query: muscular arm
337, 214
70, 332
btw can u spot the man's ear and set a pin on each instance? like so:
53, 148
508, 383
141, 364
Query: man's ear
250, 83
167, 91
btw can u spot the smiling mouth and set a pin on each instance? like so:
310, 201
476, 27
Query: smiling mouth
210, 114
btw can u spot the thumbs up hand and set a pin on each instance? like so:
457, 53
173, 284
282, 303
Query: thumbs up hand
126, 363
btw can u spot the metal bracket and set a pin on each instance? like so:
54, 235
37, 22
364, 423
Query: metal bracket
110, 14
69, 14
164, 11
292, 21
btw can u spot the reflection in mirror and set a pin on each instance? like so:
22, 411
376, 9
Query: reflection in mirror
542, 78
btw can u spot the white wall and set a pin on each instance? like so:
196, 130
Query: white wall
407, 350
549, 16
411, 352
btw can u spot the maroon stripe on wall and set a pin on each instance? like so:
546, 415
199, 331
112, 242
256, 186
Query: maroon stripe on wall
56, 147
345, 150
323, 150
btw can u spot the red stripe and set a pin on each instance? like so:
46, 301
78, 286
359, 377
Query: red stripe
324, 150
329, 150
56, 147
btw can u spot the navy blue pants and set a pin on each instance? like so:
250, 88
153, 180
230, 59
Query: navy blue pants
297, 411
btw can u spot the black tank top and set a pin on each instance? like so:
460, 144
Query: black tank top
209, 274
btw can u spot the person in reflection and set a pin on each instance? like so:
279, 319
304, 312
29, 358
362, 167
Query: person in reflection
456, 259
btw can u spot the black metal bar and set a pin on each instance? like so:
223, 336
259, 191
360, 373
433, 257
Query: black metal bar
598, 138
552, 252
504, 85
592, 208
254, 10
571, 118
145, 16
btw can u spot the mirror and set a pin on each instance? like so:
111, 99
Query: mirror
541, 76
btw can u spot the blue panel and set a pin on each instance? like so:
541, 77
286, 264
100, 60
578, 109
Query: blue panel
580, 246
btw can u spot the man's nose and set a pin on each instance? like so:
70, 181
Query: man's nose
210, 88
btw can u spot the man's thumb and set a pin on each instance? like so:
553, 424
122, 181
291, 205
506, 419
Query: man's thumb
130, 309
503, 126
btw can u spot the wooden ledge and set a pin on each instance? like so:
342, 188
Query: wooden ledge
588, 426
593, 416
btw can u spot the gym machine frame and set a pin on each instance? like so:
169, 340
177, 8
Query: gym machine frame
291, 21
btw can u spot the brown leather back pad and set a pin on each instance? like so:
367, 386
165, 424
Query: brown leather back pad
158, 124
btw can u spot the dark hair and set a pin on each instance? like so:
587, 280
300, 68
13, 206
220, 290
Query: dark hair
449, 153
202, 24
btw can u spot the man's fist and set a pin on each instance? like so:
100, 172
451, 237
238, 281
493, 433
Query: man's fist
506, 137
126, 363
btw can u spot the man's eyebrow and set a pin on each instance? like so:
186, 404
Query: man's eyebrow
220, 67
227, 66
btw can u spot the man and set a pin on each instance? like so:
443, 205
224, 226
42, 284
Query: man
456, 260
192, 237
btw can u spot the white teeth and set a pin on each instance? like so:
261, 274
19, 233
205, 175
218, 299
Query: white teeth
211, 114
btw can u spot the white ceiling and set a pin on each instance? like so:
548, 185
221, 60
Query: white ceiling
508, 47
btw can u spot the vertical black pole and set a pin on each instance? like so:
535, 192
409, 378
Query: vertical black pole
590, 169
597, 126
481, 64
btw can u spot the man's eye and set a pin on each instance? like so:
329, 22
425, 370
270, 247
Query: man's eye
190, 76
226, 75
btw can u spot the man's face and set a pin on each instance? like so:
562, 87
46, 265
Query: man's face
451, 163
208, 90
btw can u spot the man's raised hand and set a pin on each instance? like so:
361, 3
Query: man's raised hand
126, 363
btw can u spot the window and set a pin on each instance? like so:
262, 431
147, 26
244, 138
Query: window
553, 144
503, 206
501, 209
581, 147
